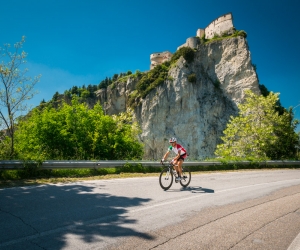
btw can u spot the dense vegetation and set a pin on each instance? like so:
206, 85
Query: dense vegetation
263, 130
89, 91
77, 132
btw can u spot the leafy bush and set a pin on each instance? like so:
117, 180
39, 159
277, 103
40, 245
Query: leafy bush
79, 133
138, 73
192, 78
259, 132
149, 81
242, 33
133, 98
187, 53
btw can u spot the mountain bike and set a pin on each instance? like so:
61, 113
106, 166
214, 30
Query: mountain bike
169, 173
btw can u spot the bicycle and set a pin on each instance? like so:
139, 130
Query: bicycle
167, 175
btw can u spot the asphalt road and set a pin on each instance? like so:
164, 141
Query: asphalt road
229, 210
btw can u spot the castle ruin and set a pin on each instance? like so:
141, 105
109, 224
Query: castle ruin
216, 27
159, 58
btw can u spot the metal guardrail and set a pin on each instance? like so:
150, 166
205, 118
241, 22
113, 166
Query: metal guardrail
11, 165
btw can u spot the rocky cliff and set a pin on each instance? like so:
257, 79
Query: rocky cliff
196, 112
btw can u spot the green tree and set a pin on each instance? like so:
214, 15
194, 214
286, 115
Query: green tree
298, 146
259, 132
287, 139
91, 91
55, 96
79, 133
115, 77
15, 89
85, 94
67, 94
75, 91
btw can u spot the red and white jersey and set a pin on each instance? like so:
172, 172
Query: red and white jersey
177, 148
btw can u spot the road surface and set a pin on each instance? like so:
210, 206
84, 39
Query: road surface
222, 210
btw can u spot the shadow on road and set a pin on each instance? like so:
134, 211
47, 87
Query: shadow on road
192, 189
201, 190
86, 211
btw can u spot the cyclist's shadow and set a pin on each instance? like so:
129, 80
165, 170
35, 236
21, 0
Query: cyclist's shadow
197, 190
193, 190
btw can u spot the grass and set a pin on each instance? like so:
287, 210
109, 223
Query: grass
36, 176
56, 180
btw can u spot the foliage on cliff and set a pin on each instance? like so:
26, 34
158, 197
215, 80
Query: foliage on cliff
158, 75
227, 34
259, 132
79, 133
187, 53
84, 93
152, 79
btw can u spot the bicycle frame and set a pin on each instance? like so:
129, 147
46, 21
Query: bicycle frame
167, 175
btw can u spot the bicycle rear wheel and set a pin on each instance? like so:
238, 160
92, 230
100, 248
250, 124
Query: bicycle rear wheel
186, 177
166, 178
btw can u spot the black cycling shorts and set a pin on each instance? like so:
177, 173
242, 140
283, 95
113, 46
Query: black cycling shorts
182, 157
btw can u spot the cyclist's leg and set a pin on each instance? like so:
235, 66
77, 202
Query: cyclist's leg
179, 163
175, 165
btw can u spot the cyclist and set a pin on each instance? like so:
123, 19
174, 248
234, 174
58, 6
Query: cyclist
179, 158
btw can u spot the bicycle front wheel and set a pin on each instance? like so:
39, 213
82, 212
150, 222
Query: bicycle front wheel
166, 179
186, 177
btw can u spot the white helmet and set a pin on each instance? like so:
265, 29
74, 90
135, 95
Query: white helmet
173, 139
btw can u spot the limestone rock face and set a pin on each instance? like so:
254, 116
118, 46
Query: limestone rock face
195, 113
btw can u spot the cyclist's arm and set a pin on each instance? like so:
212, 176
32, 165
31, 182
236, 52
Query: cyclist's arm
178, 155
166, 155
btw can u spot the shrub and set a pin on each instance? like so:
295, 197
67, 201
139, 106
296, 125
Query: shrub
79, 133
138, 73
187, 53
216, 36
232, 32
242, 33
203, 39
150, 80
192, 78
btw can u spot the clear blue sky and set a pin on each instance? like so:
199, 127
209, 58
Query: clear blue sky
76, 42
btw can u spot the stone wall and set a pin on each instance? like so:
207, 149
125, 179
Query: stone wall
219, 25
191, 42
200, 32
159, 58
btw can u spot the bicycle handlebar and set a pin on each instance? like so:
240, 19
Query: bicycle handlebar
164, 163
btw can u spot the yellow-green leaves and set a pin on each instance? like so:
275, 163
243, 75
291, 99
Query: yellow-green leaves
77, 132
258, 130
